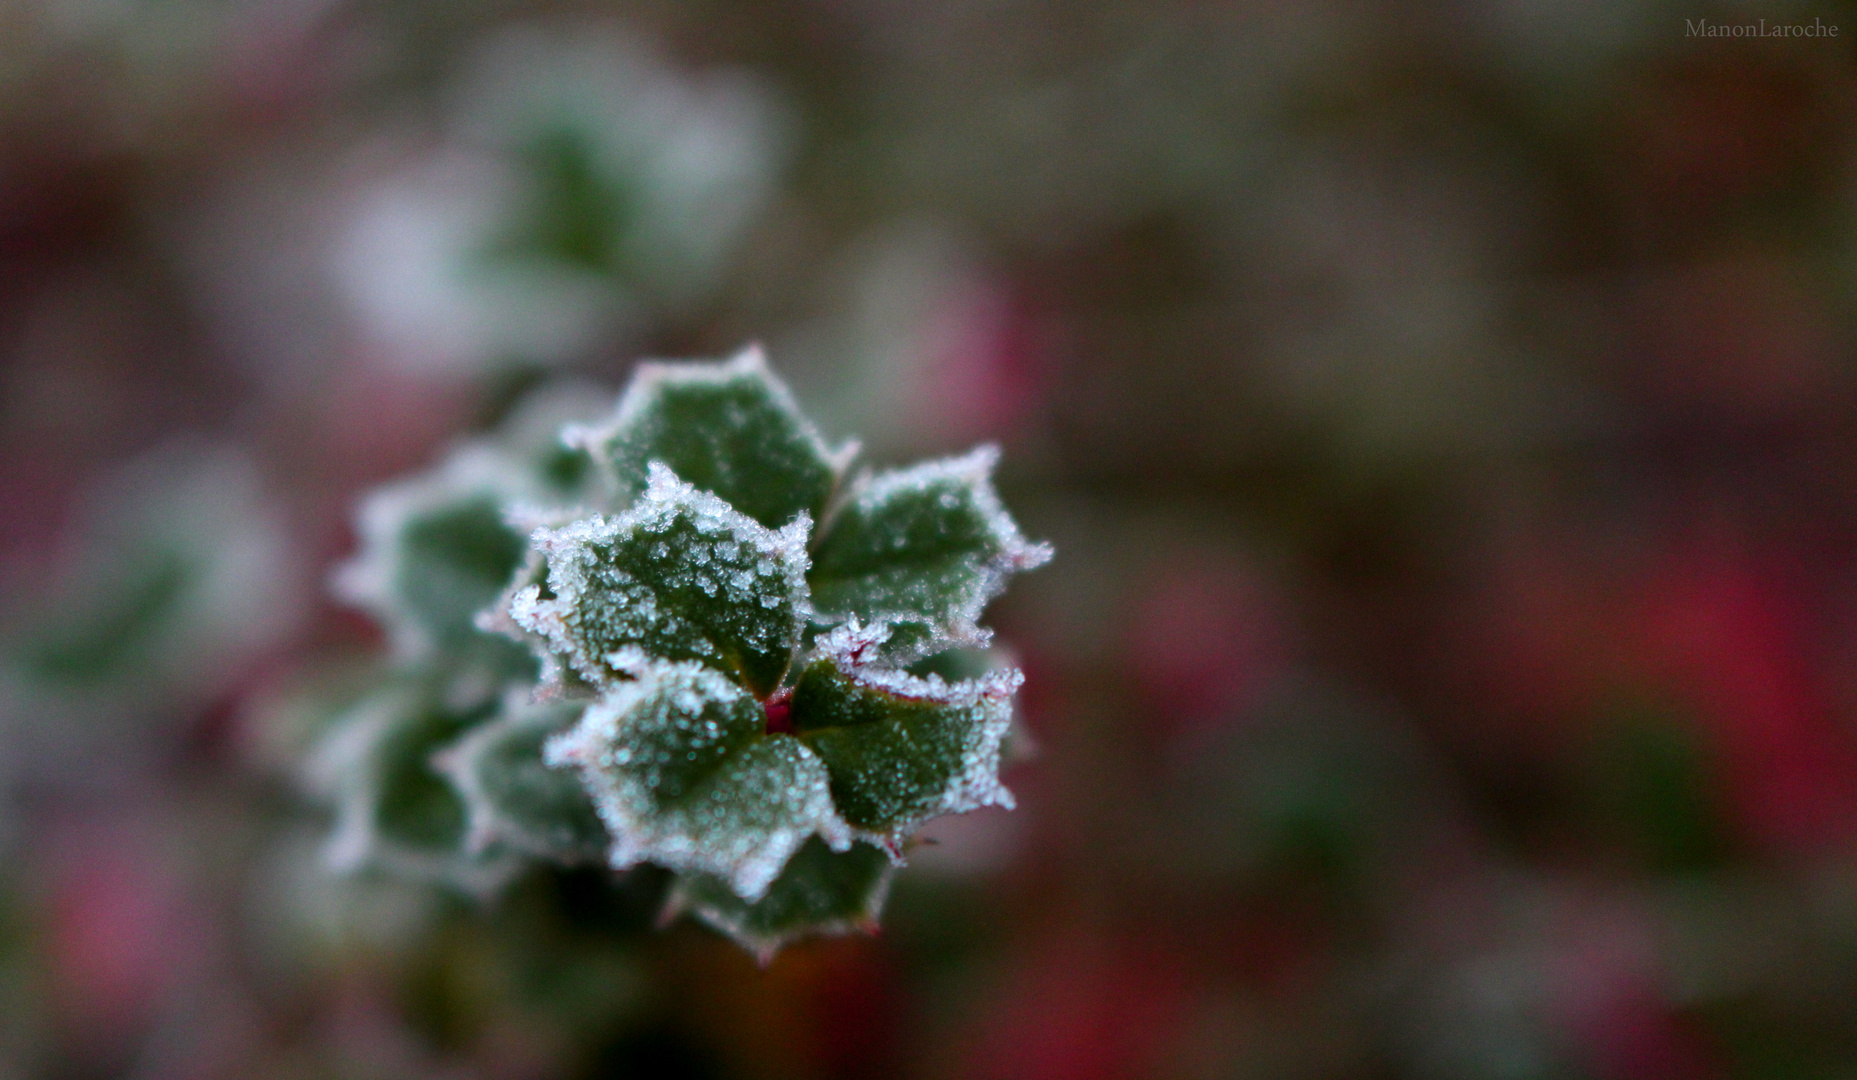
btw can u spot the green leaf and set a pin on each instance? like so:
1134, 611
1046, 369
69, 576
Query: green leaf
730, 429
439, 548
180, 568
681, 576
455, 561
393, 812
557, 677
901, 749
577, 213
89, 643
513, 801
922, 549
684, 775
820, 891
436, 550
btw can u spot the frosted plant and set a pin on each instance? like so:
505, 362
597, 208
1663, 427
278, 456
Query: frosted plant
179, 576
583, 191
181, 573
727, 640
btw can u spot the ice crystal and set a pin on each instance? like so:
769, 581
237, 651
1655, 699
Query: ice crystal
902, 749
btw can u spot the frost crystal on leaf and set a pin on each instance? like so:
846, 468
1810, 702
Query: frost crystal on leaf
681, 575
684, 775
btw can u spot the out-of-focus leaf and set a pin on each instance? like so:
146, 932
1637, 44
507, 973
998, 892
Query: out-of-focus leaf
393, 811
512, 799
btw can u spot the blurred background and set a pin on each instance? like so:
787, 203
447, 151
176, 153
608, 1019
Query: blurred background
1445, 414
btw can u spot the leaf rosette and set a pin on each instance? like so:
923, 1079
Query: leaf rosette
723, 623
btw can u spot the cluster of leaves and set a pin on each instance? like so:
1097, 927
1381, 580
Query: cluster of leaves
683, 634
178, 573
586, 191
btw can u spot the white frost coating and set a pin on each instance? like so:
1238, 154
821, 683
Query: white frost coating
653, 377
975, 783
1014, 553
742, 563
852, 643
852, 647
345, 770
496, 619
741, 820
675, 615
